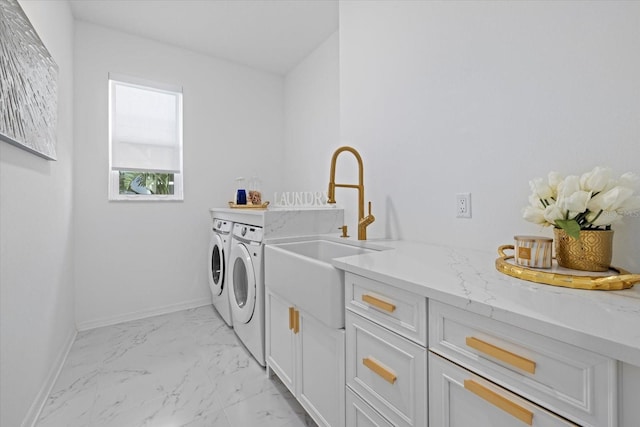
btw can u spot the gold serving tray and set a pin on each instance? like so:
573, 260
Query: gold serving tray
248, 206
613, 280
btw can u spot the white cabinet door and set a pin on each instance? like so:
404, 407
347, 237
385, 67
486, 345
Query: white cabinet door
459, 398
308, 357
280, 341
320, 383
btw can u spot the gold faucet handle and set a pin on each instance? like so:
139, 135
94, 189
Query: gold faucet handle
344, 231
370, 218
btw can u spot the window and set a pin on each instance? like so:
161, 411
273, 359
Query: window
145, 140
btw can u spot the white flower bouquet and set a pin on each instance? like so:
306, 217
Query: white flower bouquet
592, 201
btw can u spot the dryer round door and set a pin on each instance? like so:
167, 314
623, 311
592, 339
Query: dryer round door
217, 267
242, 287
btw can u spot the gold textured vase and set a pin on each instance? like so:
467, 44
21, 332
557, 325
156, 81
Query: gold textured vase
591, 252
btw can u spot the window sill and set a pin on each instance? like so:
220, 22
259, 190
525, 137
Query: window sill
146, 198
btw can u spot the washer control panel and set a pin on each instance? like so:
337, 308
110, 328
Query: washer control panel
222, 226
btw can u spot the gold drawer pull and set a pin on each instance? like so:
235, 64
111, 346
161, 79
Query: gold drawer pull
377, 302
503, 355
291, 316
376, 367
523, 414
296, 321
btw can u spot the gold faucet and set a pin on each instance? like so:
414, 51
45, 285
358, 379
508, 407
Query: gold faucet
363, 222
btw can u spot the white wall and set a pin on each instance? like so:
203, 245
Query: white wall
481, 97
36, 249
312, 118
139, 258
312, 129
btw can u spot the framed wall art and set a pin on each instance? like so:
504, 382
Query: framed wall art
28, 85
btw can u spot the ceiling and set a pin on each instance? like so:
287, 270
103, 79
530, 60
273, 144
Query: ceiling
270, 35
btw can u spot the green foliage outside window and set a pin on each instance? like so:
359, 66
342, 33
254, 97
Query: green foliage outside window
145, 183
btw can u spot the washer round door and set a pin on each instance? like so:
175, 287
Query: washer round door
216, 273
242, 287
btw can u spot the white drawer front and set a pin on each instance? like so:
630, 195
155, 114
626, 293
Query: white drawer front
458, 398
571, 381
360, 414
387, 370
401, 311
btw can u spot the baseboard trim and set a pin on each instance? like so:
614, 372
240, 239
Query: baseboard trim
41, 398
114, 320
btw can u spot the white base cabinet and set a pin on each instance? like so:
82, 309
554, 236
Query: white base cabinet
572, 382
386, 356
308, 357
486, 365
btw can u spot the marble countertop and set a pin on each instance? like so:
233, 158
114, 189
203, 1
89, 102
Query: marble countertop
607, 322
285, 222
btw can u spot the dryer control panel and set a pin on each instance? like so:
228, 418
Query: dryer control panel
248, 233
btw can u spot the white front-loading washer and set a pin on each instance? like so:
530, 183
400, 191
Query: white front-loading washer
219, 252
246, 288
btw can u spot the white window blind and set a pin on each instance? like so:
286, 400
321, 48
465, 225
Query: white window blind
146, 126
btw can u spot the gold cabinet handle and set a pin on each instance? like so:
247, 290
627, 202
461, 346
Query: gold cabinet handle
291, 315
376, 367
502, 354
512, 408
377, 302
296, 321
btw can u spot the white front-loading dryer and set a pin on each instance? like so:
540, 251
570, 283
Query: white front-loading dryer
219, 252
246, 288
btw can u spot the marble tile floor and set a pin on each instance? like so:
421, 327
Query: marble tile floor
181, 369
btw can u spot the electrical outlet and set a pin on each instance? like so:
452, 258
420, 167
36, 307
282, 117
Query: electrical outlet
463, 205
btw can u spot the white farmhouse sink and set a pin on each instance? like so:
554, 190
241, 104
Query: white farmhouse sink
302, 273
